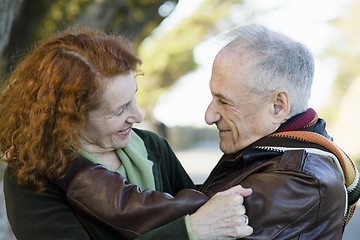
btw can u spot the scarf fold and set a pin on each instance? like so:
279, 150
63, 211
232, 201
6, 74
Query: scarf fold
135, 164
294, 134
135, 167
299, 121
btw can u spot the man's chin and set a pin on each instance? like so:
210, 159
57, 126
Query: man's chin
226, 148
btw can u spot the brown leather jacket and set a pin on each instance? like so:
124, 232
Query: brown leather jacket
298, 193
109, 198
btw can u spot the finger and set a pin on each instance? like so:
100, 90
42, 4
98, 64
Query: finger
241, 210
239, 231
244, 231
240, 190
244, 191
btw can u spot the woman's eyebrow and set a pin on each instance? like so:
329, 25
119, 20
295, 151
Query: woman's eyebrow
126, 104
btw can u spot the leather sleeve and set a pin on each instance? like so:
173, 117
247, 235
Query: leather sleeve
109, 198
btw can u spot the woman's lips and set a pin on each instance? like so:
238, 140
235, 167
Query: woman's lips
125, 132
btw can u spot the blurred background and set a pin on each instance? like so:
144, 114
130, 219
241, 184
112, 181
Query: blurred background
177, 41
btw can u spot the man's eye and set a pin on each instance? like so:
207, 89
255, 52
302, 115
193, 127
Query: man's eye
221, 101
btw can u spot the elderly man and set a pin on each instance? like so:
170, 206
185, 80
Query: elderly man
273, 143
304, 186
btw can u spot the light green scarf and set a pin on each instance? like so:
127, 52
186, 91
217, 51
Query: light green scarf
135, 167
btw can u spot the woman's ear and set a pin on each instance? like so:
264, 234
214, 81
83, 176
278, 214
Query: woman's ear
281, 103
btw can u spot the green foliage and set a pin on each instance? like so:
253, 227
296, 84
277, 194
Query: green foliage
165, 58
61, 14
169, 57
134, 18
348, 54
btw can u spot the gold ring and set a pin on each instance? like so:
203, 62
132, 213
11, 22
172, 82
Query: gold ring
246, 220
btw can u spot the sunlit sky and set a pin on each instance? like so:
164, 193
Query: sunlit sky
303, 20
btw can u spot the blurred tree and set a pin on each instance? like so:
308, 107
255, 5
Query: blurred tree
36, 19
8, 12
347, 51
167, 60
342, 109
170, 55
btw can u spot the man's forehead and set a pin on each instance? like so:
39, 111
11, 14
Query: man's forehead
224, 92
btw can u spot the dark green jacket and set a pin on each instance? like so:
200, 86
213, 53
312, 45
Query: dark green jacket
47, 215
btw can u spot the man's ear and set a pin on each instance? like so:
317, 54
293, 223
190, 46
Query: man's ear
281, 104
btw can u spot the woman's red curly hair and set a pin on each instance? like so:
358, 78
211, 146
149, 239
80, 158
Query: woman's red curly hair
48, 96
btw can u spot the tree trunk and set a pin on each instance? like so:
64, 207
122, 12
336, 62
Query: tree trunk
8, 11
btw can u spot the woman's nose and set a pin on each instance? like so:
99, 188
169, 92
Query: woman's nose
136, 116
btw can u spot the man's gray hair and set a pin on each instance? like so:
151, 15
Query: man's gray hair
279, 62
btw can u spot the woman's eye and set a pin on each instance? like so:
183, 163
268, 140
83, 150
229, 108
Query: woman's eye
120, 112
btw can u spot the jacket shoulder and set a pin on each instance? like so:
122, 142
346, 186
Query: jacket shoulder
292, 192
315, 163
150, 139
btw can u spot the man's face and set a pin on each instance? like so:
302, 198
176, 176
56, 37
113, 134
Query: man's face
241, 116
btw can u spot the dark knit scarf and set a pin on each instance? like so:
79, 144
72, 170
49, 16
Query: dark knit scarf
300, 132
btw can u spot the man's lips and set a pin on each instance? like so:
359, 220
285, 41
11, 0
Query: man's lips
223, 132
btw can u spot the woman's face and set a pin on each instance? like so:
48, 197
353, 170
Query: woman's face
108, 127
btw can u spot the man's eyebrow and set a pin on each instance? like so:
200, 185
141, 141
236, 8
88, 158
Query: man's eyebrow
221, 97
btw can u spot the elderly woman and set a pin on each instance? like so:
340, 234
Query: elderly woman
72, 99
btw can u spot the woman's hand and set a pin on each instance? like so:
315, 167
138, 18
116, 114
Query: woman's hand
223, 216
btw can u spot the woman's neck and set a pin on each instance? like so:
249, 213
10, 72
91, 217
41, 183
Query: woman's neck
108, 157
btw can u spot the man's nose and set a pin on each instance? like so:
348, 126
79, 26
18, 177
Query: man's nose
211, 115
